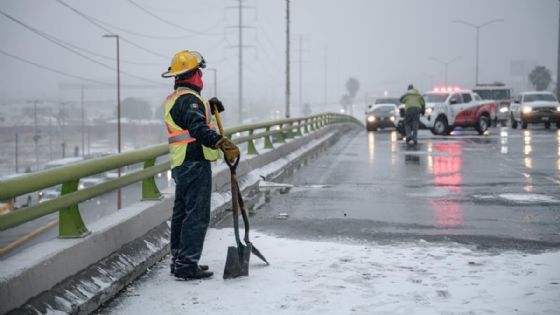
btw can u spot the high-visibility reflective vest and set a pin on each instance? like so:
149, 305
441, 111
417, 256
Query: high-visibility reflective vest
179, 138
412, 99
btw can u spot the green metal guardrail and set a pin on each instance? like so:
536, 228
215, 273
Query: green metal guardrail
71, 224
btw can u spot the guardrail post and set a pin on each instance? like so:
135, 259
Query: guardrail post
312, 124
251, 145
290, 130
70, 224
298, 132
150, 190
267, 142
280, 135
305, 128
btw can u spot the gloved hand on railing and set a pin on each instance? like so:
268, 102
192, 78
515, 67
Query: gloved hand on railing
231, 151
216, 104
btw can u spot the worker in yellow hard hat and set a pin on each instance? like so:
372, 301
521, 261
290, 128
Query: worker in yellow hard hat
193, 143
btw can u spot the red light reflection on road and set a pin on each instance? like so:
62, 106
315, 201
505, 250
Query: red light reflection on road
447, 174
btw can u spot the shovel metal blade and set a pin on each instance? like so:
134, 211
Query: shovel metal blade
237, 261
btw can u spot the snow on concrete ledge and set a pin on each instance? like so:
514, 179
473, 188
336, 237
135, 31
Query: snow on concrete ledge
310, 277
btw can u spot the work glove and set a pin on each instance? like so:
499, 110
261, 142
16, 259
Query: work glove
231, 151
216, 104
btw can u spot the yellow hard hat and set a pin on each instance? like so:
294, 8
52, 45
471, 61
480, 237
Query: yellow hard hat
183, 62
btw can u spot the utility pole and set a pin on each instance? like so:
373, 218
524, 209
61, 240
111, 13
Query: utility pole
119, 203
240, 79
83, 121
17, 149
326, 75
558, 60
287, 58
63, 122
240, 48
36, 136
300, 74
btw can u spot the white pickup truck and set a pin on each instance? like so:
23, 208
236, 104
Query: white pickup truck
447, 108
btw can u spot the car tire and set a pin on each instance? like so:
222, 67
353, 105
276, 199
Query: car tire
513, 122
482, 125
503, 123
524, 124
547, 125
558, 125
440, 126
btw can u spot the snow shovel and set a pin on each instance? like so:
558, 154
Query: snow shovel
237, 260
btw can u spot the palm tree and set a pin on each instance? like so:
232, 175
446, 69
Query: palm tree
540, 78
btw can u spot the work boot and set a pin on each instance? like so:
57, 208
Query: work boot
201, 267
193, 274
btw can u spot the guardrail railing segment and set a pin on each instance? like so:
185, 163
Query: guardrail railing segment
71, 224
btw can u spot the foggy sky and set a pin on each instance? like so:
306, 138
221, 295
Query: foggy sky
384, 44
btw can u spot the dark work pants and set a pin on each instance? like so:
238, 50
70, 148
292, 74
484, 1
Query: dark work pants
191, 212
411, 121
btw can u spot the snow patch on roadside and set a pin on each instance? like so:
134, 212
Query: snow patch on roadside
310, 277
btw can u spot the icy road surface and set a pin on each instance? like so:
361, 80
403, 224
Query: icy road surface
349, 277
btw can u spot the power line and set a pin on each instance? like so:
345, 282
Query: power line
57, 42
146, 35
51, 69
94, 22
170, 23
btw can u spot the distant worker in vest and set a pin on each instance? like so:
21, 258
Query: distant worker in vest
414, 106
193, 144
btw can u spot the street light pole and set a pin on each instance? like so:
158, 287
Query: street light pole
215, 71
477, 27
445, 64
119, 203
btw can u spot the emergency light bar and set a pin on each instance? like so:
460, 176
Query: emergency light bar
446, 89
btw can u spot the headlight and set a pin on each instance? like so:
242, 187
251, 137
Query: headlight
558, 108
371, 118
527, 110
429, 110
503, 110
392, 118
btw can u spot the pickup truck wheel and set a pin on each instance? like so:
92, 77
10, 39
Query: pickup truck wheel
524, 124
440, 126
547, 125
513, 122
482, 125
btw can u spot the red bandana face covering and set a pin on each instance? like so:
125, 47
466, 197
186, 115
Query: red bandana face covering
195, 79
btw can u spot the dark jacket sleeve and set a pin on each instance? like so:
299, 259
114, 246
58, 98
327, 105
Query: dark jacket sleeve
189, 113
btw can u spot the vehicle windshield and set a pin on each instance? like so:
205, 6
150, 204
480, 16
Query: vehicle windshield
435, 98
389, 100
383, 109
501, 94
539, 97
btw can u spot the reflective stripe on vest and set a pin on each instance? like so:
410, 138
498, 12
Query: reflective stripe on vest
180, 138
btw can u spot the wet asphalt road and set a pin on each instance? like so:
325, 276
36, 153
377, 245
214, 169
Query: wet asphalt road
501, 190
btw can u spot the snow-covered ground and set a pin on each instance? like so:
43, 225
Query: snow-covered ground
311, 277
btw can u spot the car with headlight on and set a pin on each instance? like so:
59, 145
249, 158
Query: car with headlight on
499, 93
535, 108
381, 116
